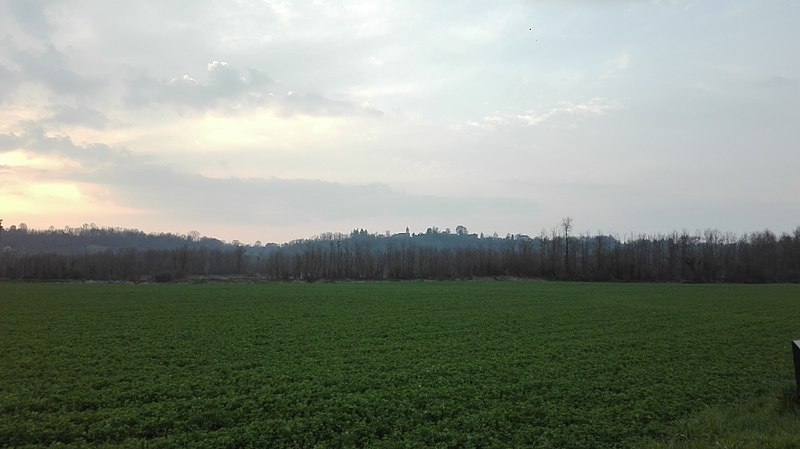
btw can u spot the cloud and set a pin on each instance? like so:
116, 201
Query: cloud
80, 115
777, 82
317, 104
48, 66
225, 80
223, 84
457, 80
532, 118
8, 142
592, 108
33, 139
228, 87
618, 64
384, 90
564, 110
31, 17
490, 122
9, 80
375, 62
135, 183
283, 202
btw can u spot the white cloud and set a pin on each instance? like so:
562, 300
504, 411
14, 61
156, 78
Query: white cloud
490, 122
531, 118
375, 62
592, 108
618, 64
383, 90
217, 65
186, 79
282, 9
564, 111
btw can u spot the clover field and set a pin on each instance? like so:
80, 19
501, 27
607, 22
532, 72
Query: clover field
382, 365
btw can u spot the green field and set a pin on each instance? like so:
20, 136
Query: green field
384, 365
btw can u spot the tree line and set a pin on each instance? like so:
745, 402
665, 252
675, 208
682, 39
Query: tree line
129, 255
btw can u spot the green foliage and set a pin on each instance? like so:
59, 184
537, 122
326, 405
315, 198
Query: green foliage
383, 365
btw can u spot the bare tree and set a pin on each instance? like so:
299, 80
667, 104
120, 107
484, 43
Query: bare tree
566, 225
554, 250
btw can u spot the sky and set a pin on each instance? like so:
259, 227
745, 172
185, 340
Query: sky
275, 120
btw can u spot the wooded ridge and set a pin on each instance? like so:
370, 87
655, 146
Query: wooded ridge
91, 252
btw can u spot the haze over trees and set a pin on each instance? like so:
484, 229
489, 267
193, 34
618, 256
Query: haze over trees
91, 252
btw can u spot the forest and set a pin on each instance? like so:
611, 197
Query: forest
90, 252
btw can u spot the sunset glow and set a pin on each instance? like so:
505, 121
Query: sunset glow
271, 121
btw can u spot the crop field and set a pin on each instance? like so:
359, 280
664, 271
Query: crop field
382, 365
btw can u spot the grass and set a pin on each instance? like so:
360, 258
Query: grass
393, 365
769, 422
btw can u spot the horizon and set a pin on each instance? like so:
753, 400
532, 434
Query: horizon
272, 121
623, 237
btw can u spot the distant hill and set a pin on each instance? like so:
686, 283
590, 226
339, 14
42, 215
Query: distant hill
93, 239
